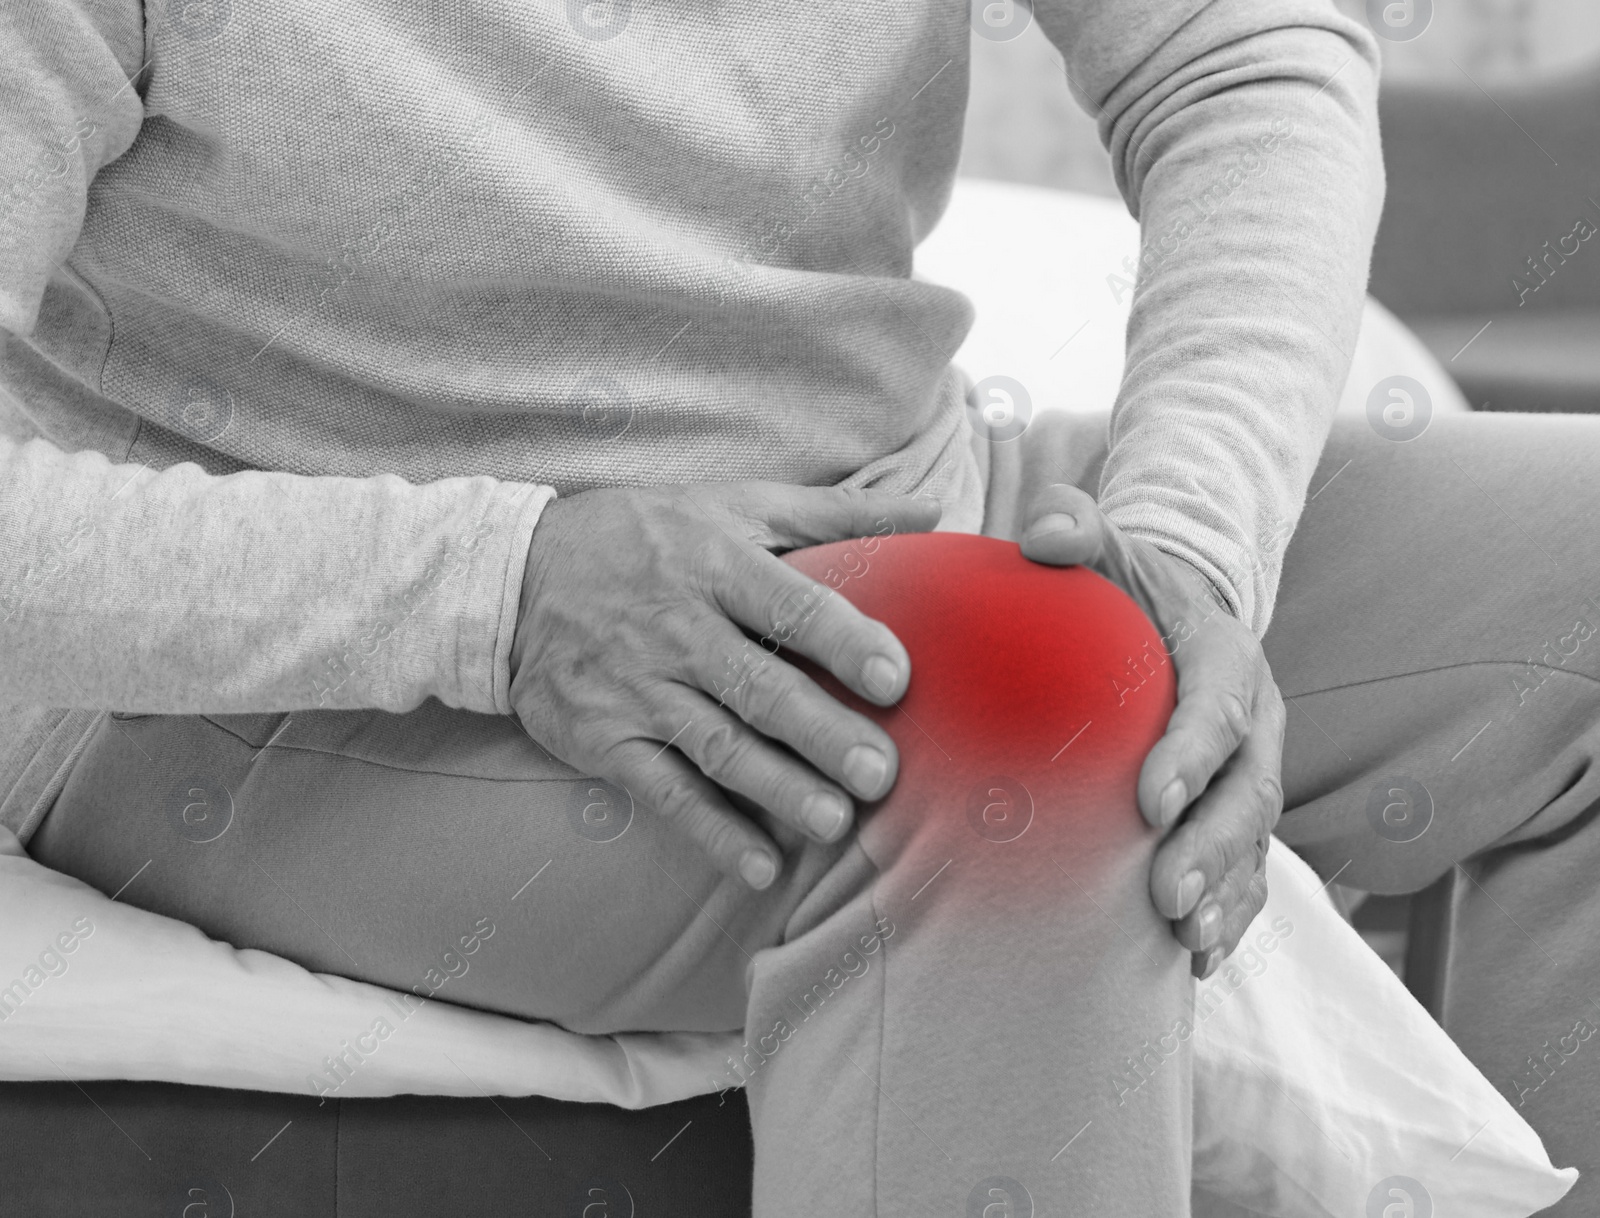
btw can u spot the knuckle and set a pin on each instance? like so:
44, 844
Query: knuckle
671, 797
1241, 844
1269, 794
1053, 498
1275, 711
854, 497
791, 611
724, 747
1216, 857
610, 759
706, 562
1236, 842
1247, 881
1256, 893
1245, 901
1234, 714
775, 597
715, 834
768, 696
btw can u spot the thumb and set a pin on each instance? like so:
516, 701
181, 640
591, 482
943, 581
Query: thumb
1065, 528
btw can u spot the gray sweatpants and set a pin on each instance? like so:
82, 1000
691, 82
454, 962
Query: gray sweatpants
1437, 640
925, 1036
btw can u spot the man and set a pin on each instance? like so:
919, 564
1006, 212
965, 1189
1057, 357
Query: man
313, 320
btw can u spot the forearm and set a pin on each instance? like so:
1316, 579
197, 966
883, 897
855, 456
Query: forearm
180, 592
1247, 143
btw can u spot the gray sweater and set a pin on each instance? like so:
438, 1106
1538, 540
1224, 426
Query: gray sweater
309, 310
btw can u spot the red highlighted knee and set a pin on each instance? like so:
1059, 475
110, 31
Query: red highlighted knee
1036, 692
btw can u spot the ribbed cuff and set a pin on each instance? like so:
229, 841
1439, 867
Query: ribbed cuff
516, 540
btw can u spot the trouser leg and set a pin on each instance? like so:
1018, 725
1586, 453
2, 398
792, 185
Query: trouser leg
1435, 640
370, 845
1020, 1039
968, 1022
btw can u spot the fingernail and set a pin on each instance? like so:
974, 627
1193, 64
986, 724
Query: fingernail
865, 769
1055, 522
1210, 924
1172, 801
1208, 963
825, 815
880, 675
757, 869
1190, 891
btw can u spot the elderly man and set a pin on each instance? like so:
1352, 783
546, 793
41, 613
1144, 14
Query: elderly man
405, 406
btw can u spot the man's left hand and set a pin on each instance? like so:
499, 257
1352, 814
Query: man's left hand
1215, 774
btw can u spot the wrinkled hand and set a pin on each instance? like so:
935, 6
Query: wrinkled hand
631, 637
1215, 774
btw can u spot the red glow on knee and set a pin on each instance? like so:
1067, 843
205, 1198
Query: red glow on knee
1051, 675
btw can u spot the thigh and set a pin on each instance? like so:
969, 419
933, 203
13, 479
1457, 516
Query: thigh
1436, 640
1433, 641
1431, 634
439, 852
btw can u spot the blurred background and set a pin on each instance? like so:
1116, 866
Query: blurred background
1491, 123
1491, 120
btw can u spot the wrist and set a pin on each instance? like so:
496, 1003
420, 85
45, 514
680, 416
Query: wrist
1206, 587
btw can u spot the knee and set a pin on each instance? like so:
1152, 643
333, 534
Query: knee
1036, 692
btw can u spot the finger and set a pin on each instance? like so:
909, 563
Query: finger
1219, 682
1216, 681
783, 517
1238, 810
783, 606
783, 703
1066, 528
668, 785
1243, 895
738, 758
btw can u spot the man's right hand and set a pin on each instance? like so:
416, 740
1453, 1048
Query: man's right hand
644, 655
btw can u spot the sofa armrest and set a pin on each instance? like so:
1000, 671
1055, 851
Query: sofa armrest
1478, 182
1521, 360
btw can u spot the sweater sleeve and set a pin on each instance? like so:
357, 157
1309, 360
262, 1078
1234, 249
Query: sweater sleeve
183, 592
1244, 137
177, 591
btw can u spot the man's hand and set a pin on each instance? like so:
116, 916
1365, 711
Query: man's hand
1223, 750
634, 660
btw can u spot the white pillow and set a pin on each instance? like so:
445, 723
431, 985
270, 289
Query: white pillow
1317, 1076
1322, 1087
139, 996
1047, 272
